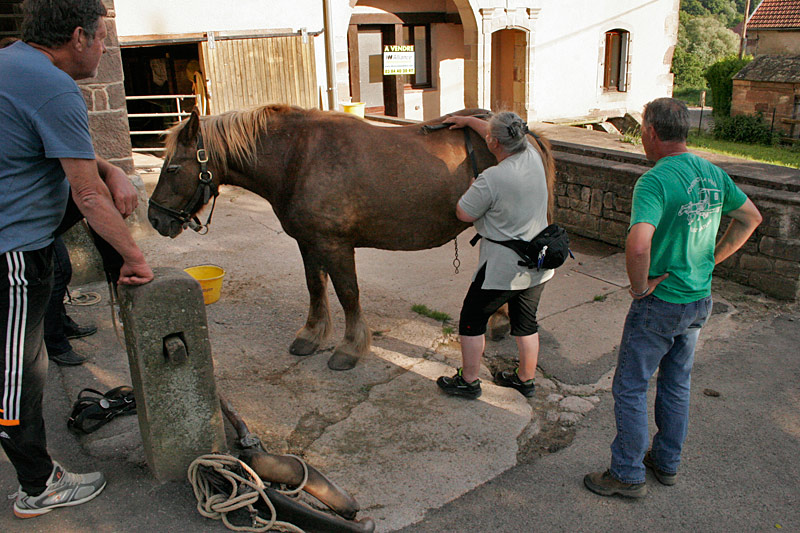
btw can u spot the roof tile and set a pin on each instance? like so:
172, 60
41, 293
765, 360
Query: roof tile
776, 14
776, 69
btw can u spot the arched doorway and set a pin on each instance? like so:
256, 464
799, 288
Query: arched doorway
509, 56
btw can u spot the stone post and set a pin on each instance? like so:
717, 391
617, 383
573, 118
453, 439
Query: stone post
166, 334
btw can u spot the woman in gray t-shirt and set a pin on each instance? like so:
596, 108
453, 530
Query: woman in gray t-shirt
509, 201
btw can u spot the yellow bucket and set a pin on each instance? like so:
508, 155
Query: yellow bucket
355, 108
210, 278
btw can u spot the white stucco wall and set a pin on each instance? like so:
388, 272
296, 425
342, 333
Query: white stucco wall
146, 17
565, 68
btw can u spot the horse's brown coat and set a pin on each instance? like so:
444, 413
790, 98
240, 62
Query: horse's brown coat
336, 183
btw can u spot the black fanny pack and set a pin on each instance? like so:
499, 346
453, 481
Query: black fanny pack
549, 249
93, 409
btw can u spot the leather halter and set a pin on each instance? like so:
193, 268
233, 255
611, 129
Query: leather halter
205, 191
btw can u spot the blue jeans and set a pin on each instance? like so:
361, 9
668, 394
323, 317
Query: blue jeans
661, 336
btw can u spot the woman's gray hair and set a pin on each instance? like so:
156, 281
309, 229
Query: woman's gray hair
51, 22
509, 130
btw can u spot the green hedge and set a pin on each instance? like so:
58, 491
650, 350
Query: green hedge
745, 129
719, 77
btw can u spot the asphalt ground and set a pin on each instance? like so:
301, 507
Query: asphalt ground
739, 470
417, 460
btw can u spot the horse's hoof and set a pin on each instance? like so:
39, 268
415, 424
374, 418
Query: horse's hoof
303, 347
342, 361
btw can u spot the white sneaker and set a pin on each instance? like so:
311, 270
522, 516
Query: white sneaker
63, 489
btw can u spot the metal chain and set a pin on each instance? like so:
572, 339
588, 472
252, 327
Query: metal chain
456, 260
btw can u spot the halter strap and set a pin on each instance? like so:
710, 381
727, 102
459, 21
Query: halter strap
205, 191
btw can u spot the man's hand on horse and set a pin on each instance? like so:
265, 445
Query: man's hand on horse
122, 191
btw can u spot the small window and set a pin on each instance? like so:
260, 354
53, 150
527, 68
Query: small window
420, 36
616, 61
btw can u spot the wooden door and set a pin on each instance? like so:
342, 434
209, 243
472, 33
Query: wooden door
244, 73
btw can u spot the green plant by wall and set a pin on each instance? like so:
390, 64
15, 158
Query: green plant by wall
719, 77
745, 129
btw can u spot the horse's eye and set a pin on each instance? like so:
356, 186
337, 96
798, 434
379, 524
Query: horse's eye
173, 168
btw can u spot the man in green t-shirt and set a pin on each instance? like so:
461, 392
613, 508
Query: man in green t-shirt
670, 254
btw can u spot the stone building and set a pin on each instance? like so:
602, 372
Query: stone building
774, 28
770, 85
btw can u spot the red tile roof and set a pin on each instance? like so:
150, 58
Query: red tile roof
774, 14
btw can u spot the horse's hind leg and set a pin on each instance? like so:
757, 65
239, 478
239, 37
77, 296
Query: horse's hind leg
342, 269
318, 322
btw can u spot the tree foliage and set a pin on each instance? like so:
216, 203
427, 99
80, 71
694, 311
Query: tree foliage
709, 40
704, 37
719, 78
729, 12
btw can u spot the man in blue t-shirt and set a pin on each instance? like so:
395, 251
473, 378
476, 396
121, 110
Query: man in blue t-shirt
670, 254
46, 154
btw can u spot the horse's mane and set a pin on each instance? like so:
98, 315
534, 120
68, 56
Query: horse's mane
231, 136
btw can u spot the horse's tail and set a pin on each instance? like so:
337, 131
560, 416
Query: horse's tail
549, 161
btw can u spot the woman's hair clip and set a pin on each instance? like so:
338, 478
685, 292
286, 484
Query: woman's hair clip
516, 129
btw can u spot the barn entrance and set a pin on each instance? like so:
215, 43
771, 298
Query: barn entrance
162, 85
215, 71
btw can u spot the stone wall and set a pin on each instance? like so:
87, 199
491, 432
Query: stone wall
772, 42
593, 199
108, 121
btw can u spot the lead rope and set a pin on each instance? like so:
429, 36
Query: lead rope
113, 303
456, 260
244, 492
474, 161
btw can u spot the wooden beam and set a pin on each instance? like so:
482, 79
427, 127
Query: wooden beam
353, 59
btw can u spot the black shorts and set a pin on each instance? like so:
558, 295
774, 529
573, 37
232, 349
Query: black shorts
480, 304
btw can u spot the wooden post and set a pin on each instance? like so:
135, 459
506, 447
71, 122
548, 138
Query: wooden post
743, 41
330, 58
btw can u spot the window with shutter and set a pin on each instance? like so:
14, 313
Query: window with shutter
616, 61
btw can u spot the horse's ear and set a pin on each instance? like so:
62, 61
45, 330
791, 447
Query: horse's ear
188, 132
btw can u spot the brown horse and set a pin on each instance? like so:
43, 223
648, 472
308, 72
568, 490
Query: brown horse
336, 183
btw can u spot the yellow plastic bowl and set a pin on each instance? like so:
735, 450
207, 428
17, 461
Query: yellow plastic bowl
356, 108
210, 278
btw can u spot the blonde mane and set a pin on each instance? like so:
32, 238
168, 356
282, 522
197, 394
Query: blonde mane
231, 136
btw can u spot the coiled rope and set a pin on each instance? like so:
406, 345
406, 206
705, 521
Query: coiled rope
208, 475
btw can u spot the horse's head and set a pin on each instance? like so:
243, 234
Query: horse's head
185, 184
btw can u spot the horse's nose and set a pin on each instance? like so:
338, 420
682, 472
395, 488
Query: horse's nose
153, 222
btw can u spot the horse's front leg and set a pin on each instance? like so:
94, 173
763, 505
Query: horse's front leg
341, 265
318, 322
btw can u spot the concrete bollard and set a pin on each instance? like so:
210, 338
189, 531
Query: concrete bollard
166, 334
